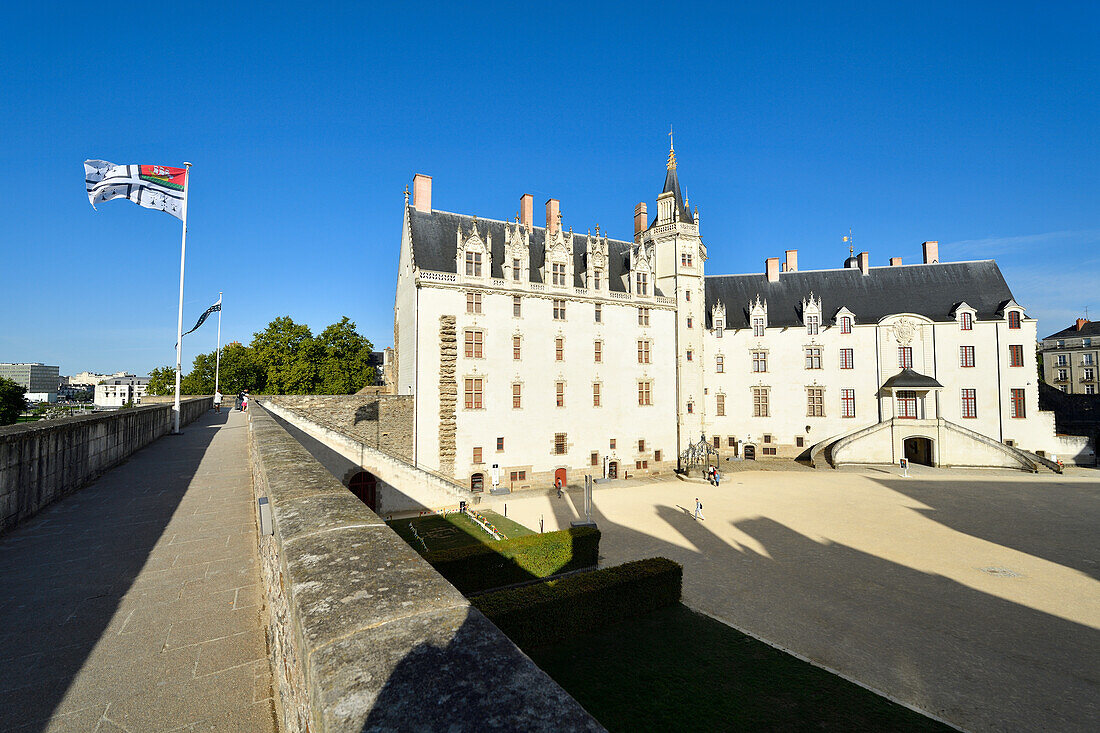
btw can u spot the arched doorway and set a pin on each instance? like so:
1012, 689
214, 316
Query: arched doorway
750, 452
919, 450
477, 482
559, 475
613, 469
365, 487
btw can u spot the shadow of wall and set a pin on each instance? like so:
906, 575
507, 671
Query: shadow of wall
65, 573
974, 659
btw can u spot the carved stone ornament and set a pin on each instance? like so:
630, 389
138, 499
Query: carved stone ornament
904, 330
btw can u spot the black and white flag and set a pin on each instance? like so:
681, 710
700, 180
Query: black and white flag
206, 314
158, 187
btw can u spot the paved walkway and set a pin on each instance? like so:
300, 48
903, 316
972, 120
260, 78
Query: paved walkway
973, 595
135, 603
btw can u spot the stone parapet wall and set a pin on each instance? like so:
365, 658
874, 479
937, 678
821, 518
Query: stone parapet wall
382, 422
366, 634
401, 486
43, 461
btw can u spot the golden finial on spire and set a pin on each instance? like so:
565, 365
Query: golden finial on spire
851, 243
671, 151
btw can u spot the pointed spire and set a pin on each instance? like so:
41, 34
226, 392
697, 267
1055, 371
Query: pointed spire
672, 185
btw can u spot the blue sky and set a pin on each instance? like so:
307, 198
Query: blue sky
972, 124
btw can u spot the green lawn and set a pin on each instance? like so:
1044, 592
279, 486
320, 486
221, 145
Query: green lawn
454, 530
675, 669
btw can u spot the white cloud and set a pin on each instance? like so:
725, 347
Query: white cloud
990, 246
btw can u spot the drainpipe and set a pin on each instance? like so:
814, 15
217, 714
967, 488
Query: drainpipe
1000, 408
416, 380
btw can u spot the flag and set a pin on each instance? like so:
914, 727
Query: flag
151, 186
206, 314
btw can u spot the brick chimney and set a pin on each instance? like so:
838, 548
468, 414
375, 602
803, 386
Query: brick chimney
639, 219
422, 193
527, 210
792, 260
1081, 323
931, 252
895, 261
865, 263
551, 215
771, 267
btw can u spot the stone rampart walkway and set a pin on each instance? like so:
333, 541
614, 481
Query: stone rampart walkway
135, 603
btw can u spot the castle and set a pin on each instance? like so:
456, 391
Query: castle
537, 353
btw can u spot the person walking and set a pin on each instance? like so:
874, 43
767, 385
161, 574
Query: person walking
698, 508
557, 483
717, 476
244, 402
217, 401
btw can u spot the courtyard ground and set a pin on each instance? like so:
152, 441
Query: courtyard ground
971, 595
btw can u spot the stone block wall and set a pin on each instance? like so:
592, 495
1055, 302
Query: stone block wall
43, 461
382, 422
366, 635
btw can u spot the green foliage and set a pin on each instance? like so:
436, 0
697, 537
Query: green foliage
560, 609
677, 670
284, 358
344, 356
11, 401
240, 370
284, 349
479, 567
162, 381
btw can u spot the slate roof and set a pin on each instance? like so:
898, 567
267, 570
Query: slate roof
435, 237
928, 290
672, 183
1092, 328
909, 379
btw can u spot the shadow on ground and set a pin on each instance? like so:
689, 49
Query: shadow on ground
65, 571
972, 658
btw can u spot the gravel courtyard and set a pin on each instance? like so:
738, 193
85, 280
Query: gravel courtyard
972, 595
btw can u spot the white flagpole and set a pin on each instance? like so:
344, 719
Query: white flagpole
179, 322
218, 357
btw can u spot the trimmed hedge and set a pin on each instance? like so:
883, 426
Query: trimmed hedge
544, 613
491, 565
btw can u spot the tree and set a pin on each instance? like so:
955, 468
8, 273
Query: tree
12, 401
241, 370
279, 349
162, 381
344, 358
201, 378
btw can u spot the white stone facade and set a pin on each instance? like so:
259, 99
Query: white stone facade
537, 350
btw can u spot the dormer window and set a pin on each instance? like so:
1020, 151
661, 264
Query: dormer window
719, 327
516, 270
473, 263
642, 283
1014, 319
813, 325
596, 279
558, 272
966, 321
757, 326
845, 324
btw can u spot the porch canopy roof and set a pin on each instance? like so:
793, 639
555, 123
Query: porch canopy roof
909, 379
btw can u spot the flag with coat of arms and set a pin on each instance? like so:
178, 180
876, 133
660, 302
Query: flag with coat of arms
152, 186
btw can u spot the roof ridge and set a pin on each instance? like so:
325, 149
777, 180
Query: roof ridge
853, 269
501, 221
